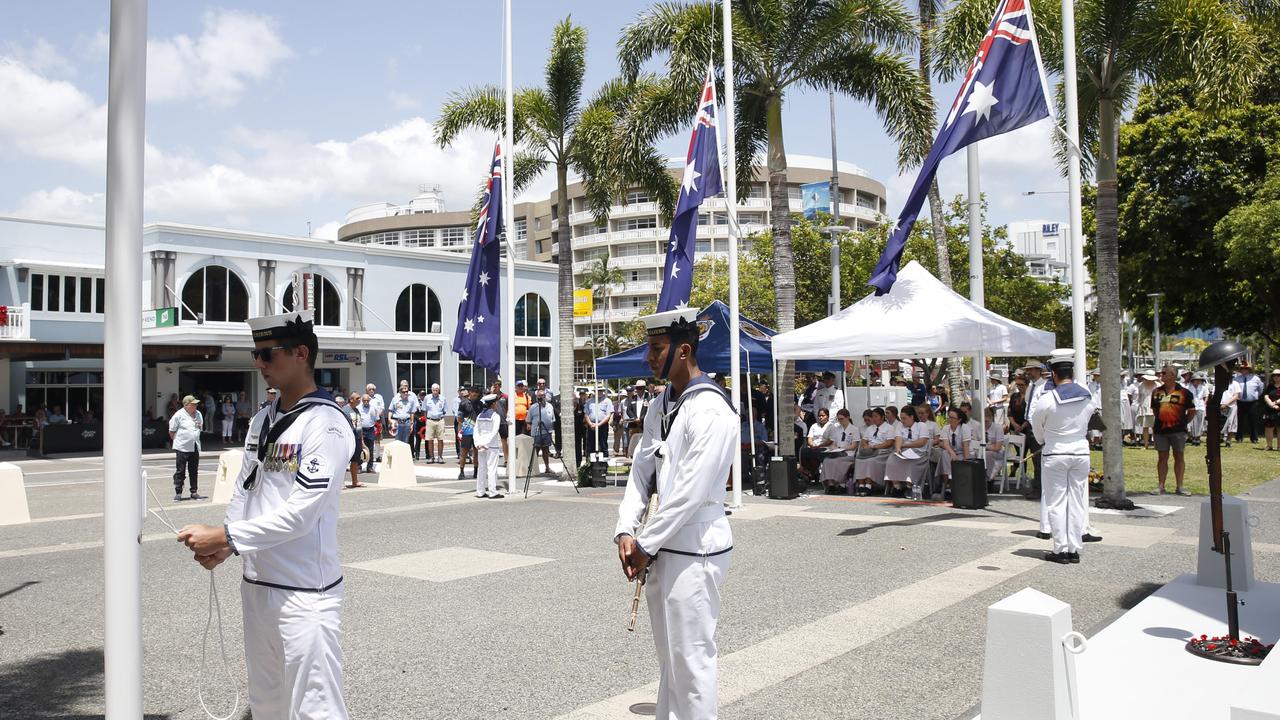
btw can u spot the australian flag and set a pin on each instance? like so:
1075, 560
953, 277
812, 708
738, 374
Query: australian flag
1002, 91
701, 180
478, 336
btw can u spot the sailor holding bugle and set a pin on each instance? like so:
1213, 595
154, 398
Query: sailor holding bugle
489, 446
282, 522
685, 456
1060, 421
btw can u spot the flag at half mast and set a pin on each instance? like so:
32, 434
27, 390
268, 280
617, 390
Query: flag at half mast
1003, 91
478, 336
701, 180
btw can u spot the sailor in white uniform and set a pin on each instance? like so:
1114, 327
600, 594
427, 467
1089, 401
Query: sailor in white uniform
685, 456
282, 521
488, 442
1060, 421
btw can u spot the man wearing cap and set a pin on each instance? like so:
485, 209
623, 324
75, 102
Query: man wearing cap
1172, 409
488, 446
184, 431
271, 398
1248, 405
827, 396
1060, 421
433, 407
998, 399
685, 456
282, 521
520, 403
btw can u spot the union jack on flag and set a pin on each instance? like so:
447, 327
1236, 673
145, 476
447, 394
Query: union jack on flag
1003, 91
478, 335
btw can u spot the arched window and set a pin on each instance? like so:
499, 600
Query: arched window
217, 293
533, 317
418, 310
324, 300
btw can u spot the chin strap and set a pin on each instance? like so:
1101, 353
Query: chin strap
666, 367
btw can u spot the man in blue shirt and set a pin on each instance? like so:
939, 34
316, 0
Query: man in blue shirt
598, 413
368, 419
1249, 404
433, 406
403, 406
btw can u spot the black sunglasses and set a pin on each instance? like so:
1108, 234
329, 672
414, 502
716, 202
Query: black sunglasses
264, 354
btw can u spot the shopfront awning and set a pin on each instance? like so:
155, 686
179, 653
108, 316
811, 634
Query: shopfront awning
23, 351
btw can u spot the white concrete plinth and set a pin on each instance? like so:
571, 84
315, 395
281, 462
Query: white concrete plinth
1025, 671
522, 448
1210, 567
13, 496
1138, 666
230, 463
396, 470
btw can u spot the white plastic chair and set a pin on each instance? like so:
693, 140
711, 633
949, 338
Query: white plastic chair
1014, 447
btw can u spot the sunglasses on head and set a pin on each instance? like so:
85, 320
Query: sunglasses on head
265, 354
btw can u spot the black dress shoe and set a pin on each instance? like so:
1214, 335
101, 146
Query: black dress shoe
1073, 558
1090, 538
1060, 558
1043, 536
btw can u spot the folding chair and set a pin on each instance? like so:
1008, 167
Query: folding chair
1014, 447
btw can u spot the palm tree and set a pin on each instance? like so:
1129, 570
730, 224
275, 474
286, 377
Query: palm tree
848, 46
553, 128
600, 281
1121, 44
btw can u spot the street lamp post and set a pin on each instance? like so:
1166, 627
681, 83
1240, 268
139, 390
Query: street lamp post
1155, 339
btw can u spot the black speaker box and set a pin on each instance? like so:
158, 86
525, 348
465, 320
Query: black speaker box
759, 476
783, 482
968, 484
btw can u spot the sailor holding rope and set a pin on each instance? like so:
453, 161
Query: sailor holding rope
282, 521
685, 455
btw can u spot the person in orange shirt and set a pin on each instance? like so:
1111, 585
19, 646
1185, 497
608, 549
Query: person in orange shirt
522, 401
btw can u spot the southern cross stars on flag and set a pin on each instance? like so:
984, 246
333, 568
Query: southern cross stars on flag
478, 336
701, 180
1003, 91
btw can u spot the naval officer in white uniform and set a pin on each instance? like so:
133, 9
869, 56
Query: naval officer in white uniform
685, 455
282, 521
1060, 421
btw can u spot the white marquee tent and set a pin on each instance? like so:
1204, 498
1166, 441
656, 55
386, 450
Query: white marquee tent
918, 318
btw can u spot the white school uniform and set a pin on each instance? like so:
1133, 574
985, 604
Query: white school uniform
898, 468
685, 454
872, 468
284, 527
955, 438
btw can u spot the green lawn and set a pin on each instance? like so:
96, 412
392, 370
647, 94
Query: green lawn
1243, 466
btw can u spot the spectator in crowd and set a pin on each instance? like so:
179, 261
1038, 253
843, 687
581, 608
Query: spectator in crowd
244, 413
465, 422
765, 403
805, 399
453, 410
434, 410
521, 402
911, 447
271, 398
918, 390
632, 411
1199, 387
542, 423
838, 465
841, 437
955, 442
1271, 413
419, 430
56, 417
877, 443
933, 399
228, 419
184, 431
379, 406
615, 422
599, 413
1249, 405
353, 412
583, 445
210, 409
1128, 417
1144, 418
944, 401
1230, 411
1171, 409
995, 444
1018, 407
403, 407
554, 401
754, 445
998, 399
828, 397
367, 424
891, 417
800, 427
172, 406
501, 409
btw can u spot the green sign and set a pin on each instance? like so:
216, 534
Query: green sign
159, 318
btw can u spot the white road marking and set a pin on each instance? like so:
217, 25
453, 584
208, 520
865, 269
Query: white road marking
448, 564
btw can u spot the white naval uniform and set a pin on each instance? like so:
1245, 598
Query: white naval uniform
1060, 424
1200, 396
284, 527
489, 446
688, 536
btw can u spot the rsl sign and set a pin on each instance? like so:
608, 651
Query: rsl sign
159, 318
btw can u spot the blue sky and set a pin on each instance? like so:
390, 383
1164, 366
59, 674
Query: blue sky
269, 116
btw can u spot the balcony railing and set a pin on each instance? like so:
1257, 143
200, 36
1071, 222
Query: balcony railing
17, 325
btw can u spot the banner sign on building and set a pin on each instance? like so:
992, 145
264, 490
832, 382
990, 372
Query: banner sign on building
159, 318
816, 196
582, 303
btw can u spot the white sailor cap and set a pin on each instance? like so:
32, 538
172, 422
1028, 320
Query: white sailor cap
1062, 356
296, 325
665, 322
1200, 375
489, 398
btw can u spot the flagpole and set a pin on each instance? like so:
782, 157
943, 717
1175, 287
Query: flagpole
731, 209
977, 291
508, 223
1073, 185
122, 362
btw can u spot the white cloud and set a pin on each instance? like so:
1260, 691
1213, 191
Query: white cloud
403, 100
233, 49
50, 119
62, 203
327, 231
42, 57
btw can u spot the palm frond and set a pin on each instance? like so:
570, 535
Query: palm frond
566, 66
476, 107
1202, 41
526, 166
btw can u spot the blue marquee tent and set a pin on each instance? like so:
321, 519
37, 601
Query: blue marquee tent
713, 349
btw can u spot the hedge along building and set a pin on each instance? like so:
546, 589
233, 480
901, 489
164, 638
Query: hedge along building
383, 314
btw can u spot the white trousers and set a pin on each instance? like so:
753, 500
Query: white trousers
683, 593
293, 650
1065, 498
487, 470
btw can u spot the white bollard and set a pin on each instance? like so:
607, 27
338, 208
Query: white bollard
522, 448
1210, 567
13, 496
396, 470
1025, 671
230, 463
